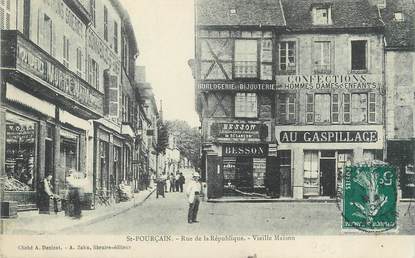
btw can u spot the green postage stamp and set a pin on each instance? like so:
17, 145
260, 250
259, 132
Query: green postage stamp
369, 198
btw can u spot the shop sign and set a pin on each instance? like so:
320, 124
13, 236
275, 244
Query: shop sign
39, 65
329, 82
235, 86
329, 136
250, 150
238, 131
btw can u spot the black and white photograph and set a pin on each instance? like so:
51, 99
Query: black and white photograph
207, 128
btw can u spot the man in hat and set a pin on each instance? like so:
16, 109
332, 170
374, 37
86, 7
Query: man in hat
192, 193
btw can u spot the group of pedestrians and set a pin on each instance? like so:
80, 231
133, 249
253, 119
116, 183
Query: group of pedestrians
170, 183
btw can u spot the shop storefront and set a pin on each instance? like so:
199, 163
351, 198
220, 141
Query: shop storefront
318, 155
44, 120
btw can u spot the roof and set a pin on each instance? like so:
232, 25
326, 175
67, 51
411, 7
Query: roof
399, 34
248, 13
346, 14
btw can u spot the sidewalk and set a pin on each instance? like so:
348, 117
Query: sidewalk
31, 222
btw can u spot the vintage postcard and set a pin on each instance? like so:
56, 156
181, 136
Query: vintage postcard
207, 128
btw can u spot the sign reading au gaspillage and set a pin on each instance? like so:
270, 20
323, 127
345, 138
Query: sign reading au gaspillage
369, 136
238, 131
329, 81
251, 150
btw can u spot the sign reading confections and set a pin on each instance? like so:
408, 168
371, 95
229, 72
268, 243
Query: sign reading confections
329, 81
328, 136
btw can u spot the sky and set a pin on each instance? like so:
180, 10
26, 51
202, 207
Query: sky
165, 36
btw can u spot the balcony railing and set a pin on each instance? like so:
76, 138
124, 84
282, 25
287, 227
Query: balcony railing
246, 69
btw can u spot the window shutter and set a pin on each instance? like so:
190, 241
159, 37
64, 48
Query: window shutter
54, 41
41, 28
372, 107
310, 108
335, 108
346, 108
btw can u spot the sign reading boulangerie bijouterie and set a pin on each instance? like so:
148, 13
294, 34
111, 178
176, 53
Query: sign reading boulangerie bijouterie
369, 136
250, 150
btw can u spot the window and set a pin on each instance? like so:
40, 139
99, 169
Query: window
79, 61
92, 11
309, 108
322, 57
322, 15
21, 139
287, 57
46, 34
115, 37
359, 59
322, 108
359, 107
93, 76
105, 23
4, 14
286, 105
246, 105
399, 16
126, 54
372, 107
346, 108
335, 108
125, 108
246, 58
66, 51
266, 59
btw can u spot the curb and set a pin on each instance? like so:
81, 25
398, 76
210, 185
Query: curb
270, 201
103, 217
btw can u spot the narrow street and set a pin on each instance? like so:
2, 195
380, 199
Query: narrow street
168, 216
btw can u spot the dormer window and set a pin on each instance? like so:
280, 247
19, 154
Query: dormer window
322, 15
399, 16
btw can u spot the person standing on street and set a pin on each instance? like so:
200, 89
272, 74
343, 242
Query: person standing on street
172, 182
177, 181
192, 193
181, 181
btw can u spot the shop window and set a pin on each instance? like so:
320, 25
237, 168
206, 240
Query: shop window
287, 57
335, 108
246, 55
322, 57
309, 108
322, 15
105, 23
246, 105
259, 169
69, 156
21, 138
286, 108
359, 55
5, 15
311, 173
284, 157
65, 53
266, 59
322, 108
359, 107
346, 108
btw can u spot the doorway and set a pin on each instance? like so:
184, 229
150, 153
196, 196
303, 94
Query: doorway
328, 177
244, 167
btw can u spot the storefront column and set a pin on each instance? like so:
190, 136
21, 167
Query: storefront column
298, 177
111, 162
57, 168
2, 140
41, 151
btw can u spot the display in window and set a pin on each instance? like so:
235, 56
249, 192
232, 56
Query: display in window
20, 153
259, 169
